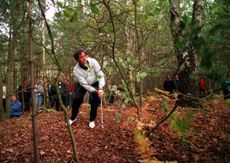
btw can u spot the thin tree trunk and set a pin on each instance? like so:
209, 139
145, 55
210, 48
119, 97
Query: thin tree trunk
34, 123
75, 155
107, 5
44, 59
10, 58
74, 144
1, 102
138, 53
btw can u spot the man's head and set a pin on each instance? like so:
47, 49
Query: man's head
13, 98
24, 83
81, 57
39, 81
228, 73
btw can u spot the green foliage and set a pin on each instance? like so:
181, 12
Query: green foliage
227, 101
94, 8
181, 124
118, 117
217, 73
199, 43
141, 76
185, 141
131, 118
162, 66
165, 104
180, 45
216, 34
207, 59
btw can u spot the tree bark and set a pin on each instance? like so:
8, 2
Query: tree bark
138, 53
186, 55
34, 122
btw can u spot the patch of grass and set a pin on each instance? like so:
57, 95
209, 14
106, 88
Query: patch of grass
204, 111
180, 125
227, 101
117, 117
131, 118
165, 104
185, 142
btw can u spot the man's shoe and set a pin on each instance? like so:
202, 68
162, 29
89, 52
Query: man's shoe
91, 124
71, 121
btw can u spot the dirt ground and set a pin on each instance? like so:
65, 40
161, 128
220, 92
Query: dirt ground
206, 140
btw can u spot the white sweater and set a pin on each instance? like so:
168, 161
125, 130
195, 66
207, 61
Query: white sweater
89, 76
3, 91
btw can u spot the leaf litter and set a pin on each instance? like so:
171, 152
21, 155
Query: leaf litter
206, 140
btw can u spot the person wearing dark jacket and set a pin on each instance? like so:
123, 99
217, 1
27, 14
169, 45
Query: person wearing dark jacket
169, 85
24, 92
15, 107
226, 85
52, 93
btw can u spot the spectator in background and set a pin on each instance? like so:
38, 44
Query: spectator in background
169, 85
202, 87
64, 94
226, 85
15, 107
24, 92
4, 96
39, 92
112, 92
70, 88
176, 83
52, 93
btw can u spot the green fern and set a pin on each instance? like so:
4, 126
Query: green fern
185, 142
180, 125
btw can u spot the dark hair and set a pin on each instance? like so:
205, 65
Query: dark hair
78, 53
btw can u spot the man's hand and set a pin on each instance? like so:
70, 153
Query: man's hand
100, 93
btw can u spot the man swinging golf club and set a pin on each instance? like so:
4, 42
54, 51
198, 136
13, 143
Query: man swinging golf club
90, 78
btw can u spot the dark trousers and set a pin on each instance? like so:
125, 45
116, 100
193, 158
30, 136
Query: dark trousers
111, 98
64, 100
78, 96
4, 104
52, 99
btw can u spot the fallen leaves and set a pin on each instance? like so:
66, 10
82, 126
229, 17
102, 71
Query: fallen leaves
208, 136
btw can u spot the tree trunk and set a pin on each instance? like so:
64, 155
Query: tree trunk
138, 53
185, 55
44, 59
34, 123
10, 58
1, 102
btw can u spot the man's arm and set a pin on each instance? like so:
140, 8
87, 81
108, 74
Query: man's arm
99, 74
84, 83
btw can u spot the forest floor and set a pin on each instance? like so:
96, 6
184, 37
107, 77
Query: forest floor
203, 138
